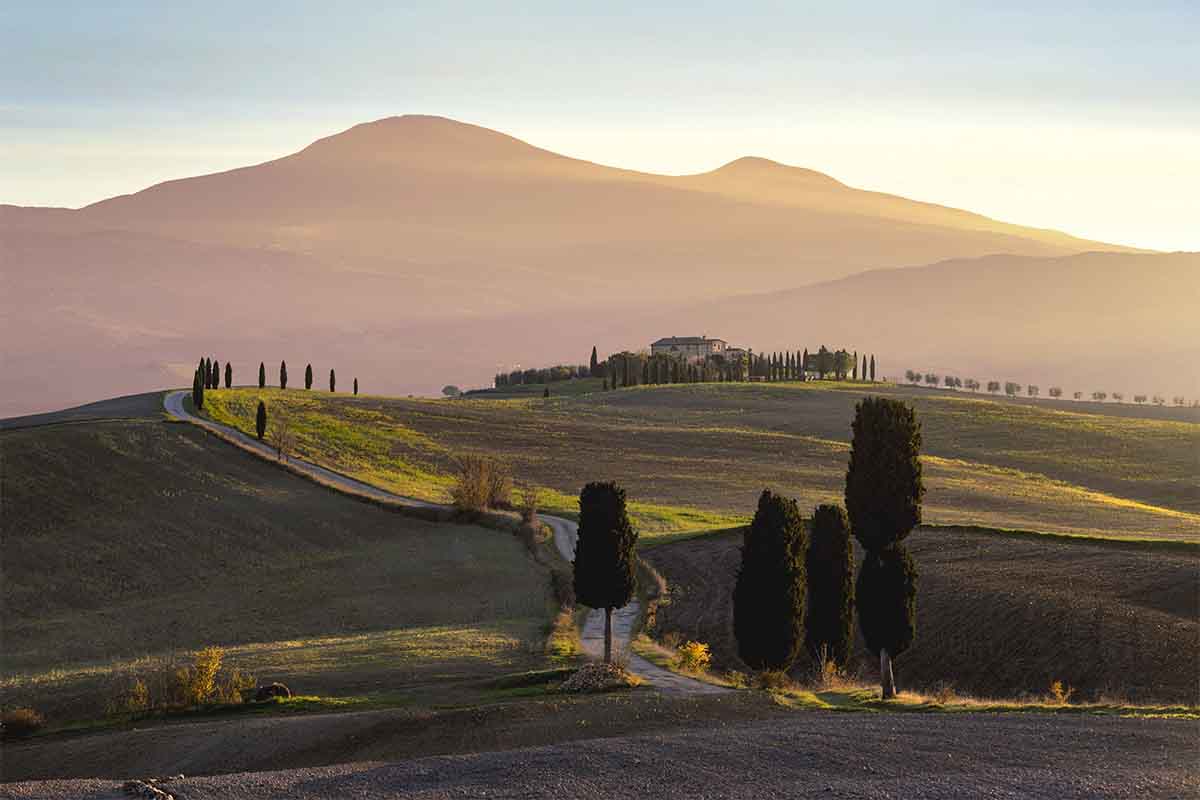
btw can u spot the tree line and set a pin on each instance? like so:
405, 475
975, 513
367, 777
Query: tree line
1013, 389
638, 369
795, 589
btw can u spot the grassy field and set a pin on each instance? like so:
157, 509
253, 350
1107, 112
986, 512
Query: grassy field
695, 457
133, 539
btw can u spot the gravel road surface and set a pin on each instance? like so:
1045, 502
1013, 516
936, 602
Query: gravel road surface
806, 755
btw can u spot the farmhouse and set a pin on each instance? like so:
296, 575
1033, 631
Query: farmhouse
689, 348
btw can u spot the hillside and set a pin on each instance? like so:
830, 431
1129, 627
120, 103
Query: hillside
135, 538
418, 251
1092, 321
696, 456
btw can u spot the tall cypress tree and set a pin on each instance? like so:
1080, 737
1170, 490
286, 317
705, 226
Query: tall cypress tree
332, 381
260, 420
804, 364
872, 367
262, 375
604, 559
829, 622
854, 376
228, 375
884, 489
216, 374
768, 598
282, 374
356, 387
308, 377
197, 390
594, 364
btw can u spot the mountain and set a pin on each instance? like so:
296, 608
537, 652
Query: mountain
416, 251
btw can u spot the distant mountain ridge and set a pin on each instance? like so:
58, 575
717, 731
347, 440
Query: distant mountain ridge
428, 251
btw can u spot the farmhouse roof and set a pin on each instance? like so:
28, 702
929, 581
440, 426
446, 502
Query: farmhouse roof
669, 341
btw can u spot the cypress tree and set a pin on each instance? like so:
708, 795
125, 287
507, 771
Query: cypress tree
356, 387
216, 374
201, 371
228, 375
864, 368
594, 365
332, 381
308, 377
260, 420
200, 394
884, 488
262, 375
206, 374
872, 367
804, 364
829, 623
196, 389
768, 598
604, 559
854, 376
282, 374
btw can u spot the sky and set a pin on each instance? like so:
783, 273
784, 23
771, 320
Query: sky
1084, 117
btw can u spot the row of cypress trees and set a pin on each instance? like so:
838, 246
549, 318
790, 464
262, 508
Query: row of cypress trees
792, 593
308, 377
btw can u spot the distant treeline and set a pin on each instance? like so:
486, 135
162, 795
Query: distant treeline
635, 369
1012, 389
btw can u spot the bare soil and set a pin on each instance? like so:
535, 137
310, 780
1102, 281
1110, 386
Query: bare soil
997, 616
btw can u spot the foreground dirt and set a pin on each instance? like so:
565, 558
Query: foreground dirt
799, 755
997, 616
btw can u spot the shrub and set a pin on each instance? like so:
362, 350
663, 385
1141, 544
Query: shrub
1060, 694
198, 682
482, 483
774, 680
164, 684
693, 657
283, 438
528, 505
19, 722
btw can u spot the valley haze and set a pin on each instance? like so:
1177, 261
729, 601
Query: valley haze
418, 251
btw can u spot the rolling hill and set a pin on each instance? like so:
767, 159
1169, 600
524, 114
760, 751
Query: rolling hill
416, 251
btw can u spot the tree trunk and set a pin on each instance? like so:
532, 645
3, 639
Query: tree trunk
886, 681
608, 636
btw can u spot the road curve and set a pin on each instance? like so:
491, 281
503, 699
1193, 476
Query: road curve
566, 533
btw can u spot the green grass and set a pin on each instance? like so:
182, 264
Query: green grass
694, 458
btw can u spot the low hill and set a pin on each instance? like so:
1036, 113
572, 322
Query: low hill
1092, 321
135, 538
418, 251
698, 455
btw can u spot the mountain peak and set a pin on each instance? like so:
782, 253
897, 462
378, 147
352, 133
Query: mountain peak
759, 167
422, 137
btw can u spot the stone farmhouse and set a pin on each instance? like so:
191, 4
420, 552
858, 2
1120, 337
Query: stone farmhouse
692, 348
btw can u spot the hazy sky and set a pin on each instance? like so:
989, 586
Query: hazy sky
1084, 118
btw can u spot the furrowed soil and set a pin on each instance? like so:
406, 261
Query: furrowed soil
997, 615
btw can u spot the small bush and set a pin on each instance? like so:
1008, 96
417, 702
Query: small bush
693, 657
482, 483
827, 672
164, 684
774, 680
1060, 693
737, 679
528, 505
19, 722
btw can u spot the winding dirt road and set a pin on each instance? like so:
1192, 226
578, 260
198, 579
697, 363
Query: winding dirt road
566, 533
